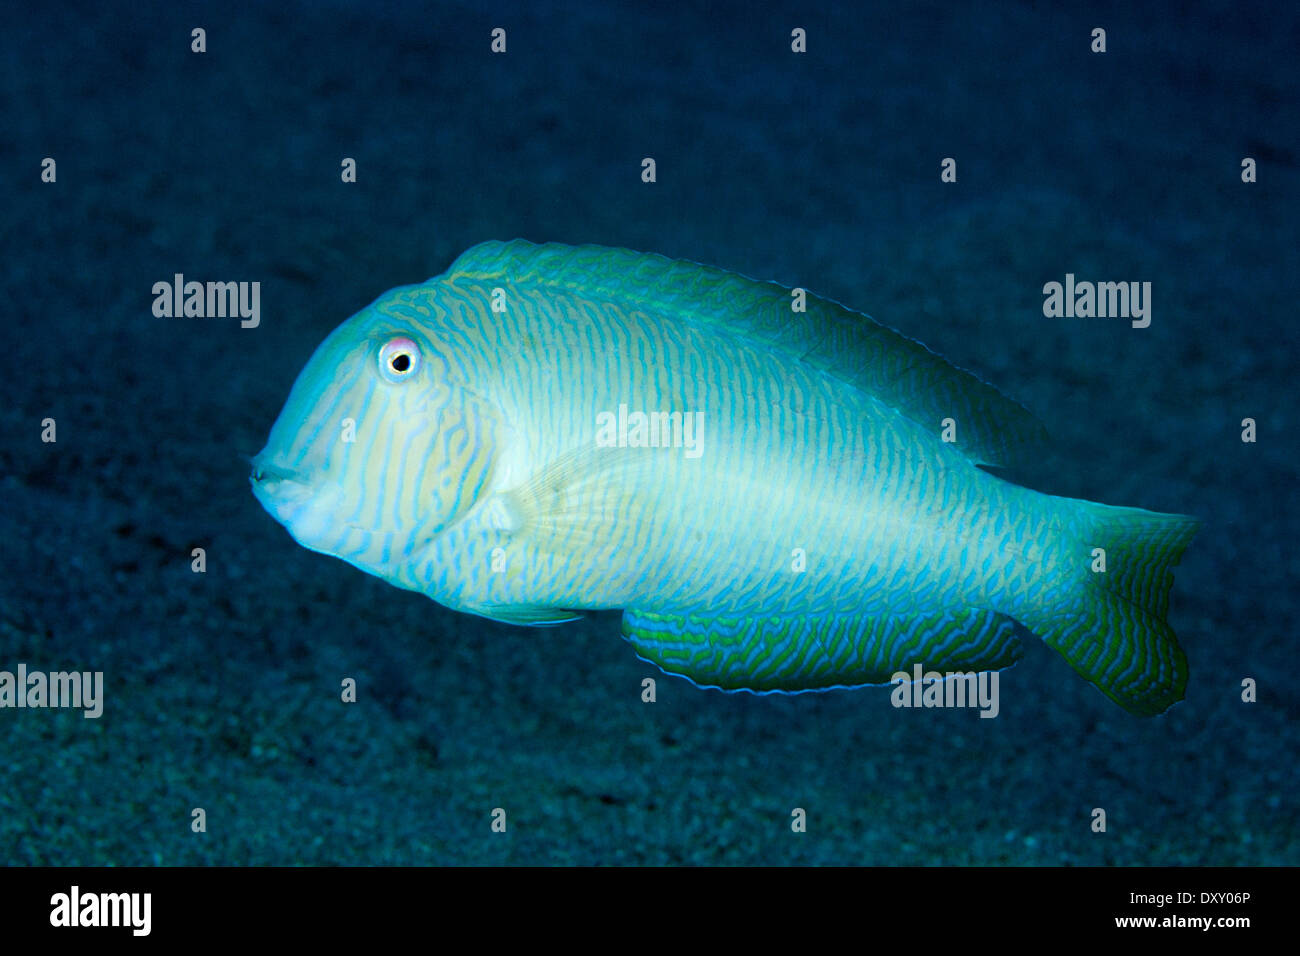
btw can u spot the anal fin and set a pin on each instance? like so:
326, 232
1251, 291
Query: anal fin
792, 654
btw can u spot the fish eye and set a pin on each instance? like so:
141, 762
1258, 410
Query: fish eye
399, 359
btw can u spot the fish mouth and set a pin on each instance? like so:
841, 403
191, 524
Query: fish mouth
271, 481
270, 473
284, 493
305, 505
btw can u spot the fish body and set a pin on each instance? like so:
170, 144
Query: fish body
780, 494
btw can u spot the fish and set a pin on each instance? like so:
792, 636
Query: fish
779, 493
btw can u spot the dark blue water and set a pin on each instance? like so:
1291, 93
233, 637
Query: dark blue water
820, 169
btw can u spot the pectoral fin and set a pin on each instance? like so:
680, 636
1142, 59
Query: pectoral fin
574, 501
528, 615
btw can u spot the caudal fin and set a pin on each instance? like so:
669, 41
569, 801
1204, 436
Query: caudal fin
1110, 625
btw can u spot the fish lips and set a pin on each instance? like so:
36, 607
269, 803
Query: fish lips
271, 482
286, 495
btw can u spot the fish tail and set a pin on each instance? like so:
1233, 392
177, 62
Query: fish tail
1108, 619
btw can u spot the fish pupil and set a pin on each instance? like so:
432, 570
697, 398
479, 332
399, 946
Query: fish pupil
401, 362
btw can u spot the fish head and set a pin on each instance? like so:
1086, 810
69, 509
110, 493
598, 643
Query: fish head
377, 448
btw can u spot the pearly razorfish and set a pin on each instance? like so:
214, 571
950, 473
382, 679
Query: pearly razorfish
766, 483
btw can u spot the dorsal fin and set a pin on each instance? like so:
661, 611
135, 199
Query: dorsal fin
896, 370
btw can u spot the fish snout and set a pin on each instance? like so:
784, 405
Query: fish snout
271, 481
